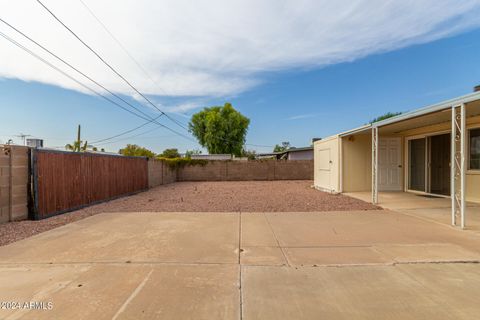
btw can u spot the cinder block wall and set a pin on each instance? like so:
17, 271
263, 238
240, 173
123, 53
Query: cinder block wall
13, 183
294, 170
159, 173
169, 175
216, 170
212, 171
248, 170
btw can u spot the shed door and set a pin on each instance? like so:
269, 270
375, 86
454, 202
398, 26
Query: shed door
325, 168
390, 164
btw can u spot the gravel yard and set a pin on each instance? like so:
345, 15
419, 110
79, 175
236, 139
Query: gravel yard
245, 196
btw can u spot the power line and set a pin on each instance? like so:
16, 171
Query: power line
124, 132
71, 66
127, 138
95, 82
113, 69
150, 119
258, 145
85, 86
64, 73
108, 65
121, 45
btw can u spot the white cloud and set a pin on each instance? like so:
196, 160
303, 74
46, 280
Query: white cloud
217, 48
183, 107
303, 116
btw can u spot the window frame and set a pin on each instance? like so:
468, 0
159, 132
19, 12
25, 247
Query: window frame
469, 168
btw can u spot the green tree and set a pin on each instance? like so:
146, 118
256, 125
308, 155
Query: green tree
281, 148
137, 151
75, 146
220, 129
385, 116
170, 153
78, 146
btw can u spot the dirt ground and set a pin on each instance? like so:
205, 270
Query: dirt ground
243, 196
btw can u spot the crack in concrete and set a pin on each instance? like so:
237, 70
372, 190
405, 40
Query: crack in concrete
132, 296
393, 263
276, 239
312, 247
118, 263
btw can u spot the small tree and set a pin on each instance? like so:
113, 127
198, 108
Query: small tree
284, 147
385, 116
170, 153
136, 151
250, 154
220, 129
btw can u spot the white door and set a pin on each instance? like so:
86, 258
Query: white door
390, 164
324, 171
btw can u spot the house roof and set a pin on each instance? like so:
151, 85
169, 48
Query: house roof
286, 151
444, 105
430, 109
297, 149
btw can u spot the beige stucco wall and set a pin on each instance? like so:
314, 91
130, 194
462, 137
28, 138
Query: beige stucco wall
356, 157
357, 163
327, 164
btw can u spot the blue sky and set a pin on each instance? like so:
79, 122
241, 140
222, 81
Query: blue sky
293, 102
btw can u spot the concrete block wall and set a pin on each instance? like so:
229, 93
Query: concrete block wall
294, 170
13, 183
169, 175
216, 170
248, 170
212, 171
159, 173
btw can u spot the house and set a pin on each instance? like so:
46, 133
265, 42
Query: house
414, 152
212, 156
35, 143
305, 153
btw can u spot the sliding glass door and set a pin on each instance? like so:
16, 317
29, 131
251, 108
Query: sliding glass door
429, 164
417, 164
439, 166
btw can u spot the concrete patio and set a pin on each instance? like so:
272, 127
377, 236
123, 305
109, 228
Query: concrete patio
436, 209
335, 265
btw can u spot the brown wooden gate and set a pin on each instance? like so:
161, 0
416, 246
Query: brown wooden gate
66, 181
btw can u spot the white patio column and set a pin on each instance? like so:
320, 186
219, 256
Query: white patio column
458, 166
374, 165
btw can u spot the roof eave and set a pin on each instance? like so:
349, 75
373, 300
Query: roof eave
430, 109
355, 131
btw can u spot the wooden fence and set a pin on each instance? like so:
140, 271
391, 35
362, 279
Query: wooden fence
65, 181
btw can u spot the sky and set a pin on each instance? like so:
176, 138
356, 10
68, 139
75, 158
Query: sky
297, 69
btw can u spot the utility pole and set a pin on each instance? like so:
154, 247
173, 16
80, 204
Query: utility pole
78, 140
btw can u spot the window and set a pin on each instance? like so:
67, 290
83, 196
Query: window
475, 149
